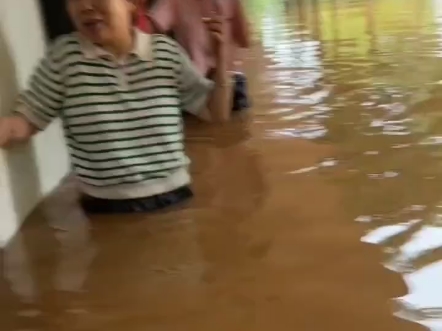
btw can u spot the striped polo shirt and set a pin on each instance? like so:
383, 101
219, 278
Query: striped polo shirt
122, 118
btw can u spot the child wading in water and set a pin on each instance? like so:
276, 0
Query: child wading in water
120, 94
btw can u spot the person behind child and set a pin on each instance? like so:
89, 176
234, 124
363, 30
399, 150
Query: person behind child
119, 93
184, 21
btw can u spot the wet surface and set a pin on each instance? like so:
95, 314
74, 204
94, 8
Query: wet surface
321, 211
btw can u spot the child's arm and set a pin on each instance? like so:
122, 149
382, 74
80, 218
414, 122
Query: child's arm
240, 25
38, 105
220, 101
208, 100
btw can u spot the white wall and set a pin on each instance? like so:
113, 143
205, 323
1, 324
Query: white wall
29, 172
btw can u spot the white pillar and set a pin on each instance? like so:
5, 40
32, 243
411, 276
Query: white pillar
29, 172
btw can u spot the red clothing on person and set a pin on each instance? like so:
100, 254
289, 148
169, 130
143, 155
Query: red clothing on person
143, 21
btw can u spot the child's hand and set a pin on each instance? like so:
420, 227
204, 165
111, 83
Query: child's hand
5, 132
14, 129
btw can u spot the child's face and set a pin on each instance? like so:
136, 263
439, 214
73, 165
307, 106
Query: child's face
102, 21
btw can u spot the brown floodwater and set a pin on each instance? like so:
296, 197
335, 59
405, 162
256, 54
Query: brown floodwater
320, 209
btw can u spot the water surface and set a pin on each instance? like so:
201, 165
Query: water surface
321, 209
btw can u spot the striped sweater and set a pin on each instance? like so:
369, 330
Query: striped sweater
122, 119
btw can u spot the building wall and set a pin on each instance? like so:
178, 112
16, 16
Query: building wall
27, 172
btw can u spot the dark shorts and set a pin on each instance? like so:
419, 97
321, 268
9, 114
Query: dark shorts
241, 100
92, 205
240, 95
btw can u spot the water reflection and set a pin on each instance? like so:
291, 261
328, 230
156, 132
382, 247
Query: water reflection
36, 291
363, 75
